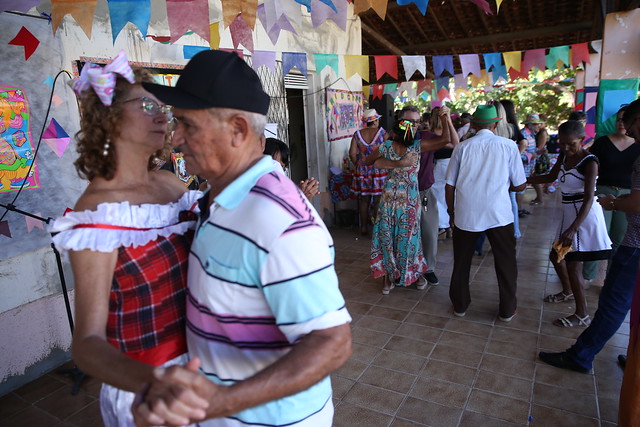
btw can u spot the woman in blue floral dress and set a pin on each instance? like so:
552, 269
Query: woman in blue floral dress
396, 247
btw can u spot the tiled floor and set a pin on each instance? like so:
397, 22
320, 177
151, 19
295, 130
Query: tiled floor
414, 363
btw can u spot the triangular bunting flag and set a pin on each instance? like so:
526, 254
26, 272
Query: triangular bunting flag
137, 12
231, 9
282, 24
241, 34
320, 12
4, 228
366, 90
356, 64
442, 63
556, 56
379, 6
580, 53
533, 58
386, 64
484, 5
413, 63
491, 60
214, 35
460, 81
421, 4
80, 10
443, 94
500, 71
27, 40
498, 3
391, 89
425, 85
294, 59
264, 57
378, 91
185, 15
323, 60
32, 222
18, 5
189, 51
442, 82
512, 60
56, 138
470, 64
56, 100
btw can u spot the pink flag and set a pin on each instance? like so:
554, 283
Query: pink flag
580, 53
32, 222
241, 33
533, 58
185, 15
4, 228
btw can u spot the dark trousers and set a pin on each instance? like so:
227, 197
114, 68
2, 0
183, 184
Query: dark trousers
613, 306
503, 245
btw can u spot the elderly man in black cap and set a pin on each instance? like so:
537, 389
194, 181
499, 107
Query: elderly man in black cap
266, 323
478, 201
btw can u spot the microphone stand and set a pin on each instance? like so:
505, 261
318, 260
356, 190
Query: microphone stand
75, 373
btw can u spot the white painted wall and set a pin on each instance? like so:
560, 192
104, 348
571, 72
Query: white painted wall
34, 331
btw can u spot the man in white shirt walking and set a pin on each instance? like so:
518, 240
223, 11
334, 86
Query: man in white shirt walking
482, 171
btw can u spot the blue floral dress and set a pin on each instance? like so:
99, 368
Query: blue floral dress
396, 247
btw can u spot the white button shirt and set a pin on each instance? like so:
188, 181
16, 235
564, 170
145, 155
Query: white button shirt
481, 169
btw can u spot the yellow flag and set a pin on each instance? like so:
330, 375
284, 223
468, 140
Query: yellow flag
231, 9
214, 40
356, 64
512, 60
498, 3
366, 90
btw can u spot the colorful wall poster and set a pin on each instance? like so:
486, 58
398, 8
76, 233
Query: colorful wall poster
344, 113
17, 162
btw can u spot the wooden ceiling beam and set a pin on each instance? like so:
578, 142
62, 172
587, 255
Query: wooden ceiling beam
437, 21
391, 48
394, 24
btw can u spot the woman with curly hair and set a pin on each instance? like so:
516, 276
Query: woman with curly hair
128, 238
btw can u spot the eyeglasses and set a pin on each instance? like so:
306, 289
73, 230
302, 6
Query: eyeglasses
151, 107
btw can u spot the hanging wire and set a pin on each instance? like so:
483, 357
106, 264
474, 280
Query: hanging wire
35, 154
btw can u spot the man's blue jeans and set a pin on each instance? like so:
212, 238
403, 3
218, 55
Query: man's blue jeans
613, 306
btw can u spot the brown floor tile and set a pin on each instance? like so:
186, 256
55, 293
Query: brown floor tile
542, 416
369, 337
352, 369
355, 307
402, 362
388, 313
364, 353
456, 355
30, 417
423, 333
428, 413
471, 328
468, 342
513, 336
375, 398
427, 320
38, 389
504, 365
608, 409
90, 416
474, 419
549, 375
62, 404
410, 346
559, 398
449, 372
506, 349
504, 385
348, 415
444, 393
11, 404
340, 386
378, 324
385, 378
505, 408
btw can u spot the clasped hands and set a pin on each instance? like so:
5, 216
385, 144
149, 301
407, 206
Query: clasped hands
179, 395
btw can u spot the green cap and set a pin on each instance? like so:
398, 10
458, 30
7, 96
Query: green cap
485, 114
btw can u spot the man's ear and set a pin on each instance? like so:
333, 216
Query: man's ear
240, 128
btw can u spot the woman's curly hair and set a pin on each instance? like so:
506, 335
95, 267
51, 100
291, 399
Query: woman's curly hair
99, 123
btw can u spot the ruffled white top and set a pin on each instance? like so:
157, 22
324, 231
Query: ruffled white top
144, 223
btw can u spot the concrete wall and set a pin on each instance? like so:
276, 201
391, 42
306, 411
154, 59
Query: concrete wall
34, 331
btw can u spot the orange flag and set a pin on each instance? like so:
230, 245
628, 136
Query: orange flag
231, 9
380, 6
80, 10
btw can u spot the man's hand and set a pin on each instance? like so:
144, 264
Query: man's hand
606, 201
168, 401
309, 187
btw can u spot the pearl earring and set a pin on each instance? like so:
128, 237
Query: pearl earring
105, 147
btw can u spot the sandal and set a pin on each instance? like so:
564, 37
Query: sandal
421, 283
559, 297
565, 322
385, 291
535, 202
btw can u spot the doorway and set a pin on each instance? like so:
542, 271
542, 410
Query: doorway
297, 135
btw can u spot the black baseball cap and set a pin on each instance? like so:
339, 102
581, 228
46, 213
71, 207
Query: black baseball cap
215, 79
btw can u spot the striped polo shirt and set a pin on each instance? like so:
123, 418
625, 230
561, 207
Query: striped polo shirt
261, 277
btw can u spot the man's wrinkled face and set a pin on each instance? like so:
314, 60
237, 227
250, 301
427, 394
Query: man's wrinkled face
633, 128
205, 141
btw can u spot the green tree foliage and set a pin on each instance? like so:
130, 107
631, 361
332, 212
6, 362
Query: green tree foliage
548, 92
